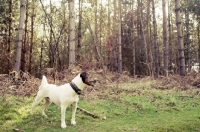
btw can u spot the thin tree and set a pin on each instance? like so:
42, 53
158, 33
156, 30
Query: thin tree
20, 35
148, 39
187, 25
155, 42
142, 36
96, 39
32, 37
165, 39
9, 35
79, 31
72, 58
198, 36
170, 35
23, 56
119, 40
180, 39
133, 43
115, 36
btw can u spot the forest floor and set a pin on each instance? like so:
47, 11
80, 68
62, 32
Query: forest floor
121, 102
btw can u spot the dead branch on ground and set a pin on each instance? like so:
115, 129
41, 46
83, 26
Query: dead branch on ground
88, 113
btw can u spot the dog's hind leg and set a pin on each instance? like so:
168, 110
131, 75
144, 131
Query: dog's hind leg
35, 103
63, 110
47, 103
74, 107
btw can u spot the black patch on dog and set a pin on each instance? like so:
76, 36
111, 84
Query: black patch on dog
84, 76
75, 88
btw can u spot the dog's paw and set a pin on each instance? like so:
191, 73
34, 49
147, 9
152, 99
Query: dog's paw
44, 115
31, 112
63, 125
73, 122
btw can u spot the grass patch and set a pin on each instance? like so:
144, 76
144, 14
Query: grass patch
127, 107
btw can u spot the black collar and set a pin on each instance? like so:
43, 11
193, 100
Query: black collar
75, 88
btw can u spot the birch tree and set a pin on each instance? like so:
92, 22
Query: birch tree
19, 38
71, 34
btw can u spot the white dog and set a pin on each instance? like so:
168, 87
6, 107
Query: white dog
62, 96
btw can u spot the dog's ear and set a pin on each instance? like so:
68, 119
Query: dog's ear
84, 76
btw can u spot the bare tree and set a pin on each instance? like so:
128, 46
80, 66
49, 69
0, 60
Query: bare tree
149, 40
155, 41
72, 58
187, 22
114, 34
165, 39
24, 43
170, 36
120, 39
31, 39
20, 35
79, 31
198, 36
96, 39
133, 42
9, 34
180, 38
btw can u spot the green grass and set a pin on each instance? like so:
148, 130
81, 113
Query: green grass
127, 108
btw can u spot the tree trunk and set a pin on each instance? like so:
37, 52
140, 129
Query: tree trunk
165, 40
148, 40
72, 58
170, 37
20, 36
108, 18
9, 36
133, 42
115, 36
96, 40
119, 41
100, 29
23, 56
31, 40
188, 38
198, 35
180, 39
109, 60
143, 40
155, 42
79, 31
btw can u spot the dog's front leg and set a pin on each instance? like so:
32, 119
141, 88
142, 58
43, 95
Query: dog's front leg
63, 110
74, 107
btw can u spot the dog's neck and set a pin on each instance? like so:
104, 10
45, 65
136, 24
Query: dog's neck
78, 83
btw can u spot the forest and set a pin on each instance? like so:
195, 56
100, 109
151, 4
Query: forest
144, 56
141, 37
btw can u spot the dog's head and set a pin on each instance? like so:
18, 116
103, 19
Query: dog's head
85, 78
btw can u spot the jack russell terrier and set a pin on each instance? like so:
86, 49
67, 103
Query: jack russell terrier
62, 96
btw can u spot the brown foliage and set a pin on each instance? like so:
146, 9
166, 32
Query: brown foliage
28, 86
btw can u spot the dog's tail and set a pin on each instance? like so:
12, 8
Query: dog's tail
44, 81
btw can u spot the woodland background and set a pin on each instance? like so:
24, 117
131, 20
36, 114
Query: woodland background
125, 44
141, 37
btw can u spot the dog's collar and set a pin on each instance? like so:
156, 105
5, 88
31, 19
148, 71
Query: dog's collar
75, 88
